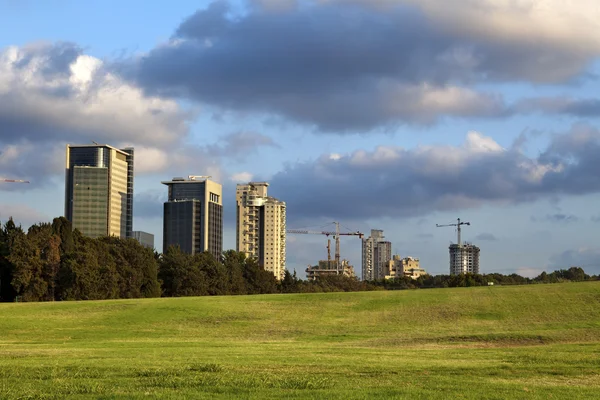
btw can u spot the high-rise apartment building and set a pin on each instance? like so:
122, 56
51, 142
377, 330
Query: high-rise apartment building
376, 253
261, 227
464, 259
99, 190
193, 215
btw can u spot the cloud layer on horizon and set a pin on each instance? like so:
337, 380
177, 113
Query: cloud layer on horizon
393, 182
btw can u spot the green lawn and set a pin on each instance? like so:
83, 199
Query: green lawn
539, 341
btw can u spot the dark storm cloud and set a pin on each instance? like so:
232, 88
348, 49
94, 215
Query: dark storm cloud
394, 182
347, 67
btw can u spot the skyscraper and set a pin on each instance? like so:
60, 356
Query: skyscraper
376, 253
261, 227
193, 215
99, 190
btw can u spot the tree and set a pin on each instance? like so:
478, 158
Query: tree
8, 234
180, 275
215, 272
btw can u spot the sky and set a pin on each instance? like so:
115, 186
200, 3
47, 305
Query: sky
380, 114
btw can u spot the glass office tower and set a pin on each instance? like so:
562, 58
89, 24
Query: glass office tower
99, 190
193, 216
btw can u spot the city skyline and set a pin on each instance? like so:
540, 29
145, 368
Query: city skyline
429, 117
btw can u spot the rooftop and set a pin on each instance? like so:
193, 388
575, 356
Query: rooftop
70, 146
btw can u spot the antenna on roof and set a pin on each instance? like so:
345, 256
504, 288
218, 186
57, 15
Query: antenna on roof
95, 143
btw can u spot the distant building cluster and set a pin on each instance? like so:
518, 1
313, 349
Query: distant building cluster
99, 202
378, 262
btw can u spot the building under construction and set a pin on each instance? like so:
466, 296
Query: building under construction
327, 268
464, 259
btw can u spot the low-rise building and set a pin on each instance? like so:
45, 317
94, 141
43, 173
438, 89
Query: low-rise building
146, 239
407, 266
326, 268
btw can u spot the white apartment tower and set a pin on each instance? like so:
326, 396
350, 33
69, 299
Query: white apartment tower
376, 253
261, 227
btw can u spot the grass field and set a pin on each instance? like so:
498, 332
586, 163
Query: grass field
539, 341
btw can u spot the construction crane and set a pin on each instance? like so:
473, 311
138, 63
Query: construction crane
13, 180
336, 235
458, 225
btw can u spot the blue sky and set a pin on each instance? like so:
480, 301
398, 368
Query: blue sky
381, 114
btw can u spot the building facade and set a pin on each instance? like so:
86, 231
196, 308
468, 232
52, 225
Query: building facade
407, 266
464, 259
193, 215
99, 190
326, 268
261, 227
376, 253
146, 239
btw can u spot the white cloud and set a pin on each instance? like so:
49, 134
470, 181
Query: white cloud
53, 94
50, 92
560, 22
149, 159
242, 177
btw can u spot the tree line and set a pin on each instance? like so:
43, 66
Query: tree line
51, 261
572, 274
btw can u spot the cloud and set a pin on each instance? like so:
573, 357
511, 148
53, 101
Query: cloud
396, 182
353, 66
558, 217
149, 203
586, 258
582, 108
54, 91
53, 94
242, 177
22, 215
486, 237
240, 144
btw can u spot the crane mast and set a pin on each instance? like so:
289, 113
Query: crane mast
336, 235
458, 225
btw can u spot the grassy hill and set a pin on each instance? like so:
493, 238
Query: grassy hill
538, 341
